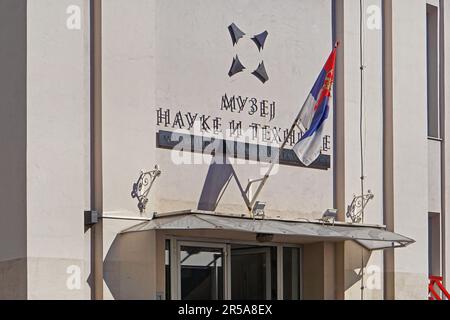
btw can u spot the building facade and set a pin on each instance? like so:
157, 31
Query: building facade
95, 91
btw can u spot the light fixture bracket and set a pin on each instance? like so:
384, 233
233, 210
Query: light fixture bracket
142, 187
355, 211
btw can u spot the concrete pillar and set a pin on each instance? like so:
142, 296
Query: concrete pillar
319, 273
13, 141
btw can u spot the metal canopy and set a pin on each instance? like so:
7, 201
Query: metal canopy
370, 237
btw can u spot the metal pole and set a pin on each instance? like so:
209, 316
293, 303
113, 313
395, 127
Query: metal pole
361, 128
272, 165
96, 148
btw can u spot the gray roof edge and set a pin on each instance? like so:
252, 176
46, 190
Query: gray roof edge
246, 216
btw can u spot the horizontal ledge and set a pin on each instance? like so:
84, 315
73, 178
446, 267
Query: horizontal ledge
111, 217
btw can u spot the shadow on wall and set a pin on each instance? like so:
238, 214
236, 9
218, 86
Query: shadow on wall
357, 257
217, 181
130, 267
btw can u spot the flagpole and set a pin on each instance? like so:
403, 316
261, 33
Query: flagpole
272, 164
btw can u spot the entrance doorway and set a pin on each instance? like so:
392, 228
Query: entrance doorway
251, 273
201, 272
232, 271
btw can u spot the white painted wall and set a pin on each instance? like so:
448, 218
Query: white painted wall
434, 177
129, 82
188, 72
410, 146
177, 54
372, 132
445, 63
58, 163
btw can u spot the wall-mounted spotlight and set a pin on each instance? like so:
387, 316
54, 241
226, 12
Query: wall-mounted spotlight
330, 216
258, 209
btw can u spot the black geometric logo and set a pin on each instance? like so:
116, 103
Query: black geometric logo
236, 67
261, 73
260, 40
236, 33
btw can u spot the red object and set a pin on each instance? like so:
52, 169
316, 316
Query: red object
432, 294
329, 67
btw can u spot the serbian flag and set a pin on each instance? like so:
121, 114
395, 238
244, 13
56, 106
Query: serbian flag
314, 114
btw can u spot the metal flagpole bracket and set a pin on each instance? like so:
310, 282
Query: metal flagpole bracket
356, 209
142, 187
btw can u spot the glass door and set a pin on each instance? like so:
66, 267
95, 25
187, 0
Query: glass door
224, 271
251, 273
201, 271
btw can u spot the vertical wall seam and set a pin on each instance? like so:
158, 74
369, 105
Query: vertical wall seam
442, 103
96, 148
388, 150
339, 140
26, 153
